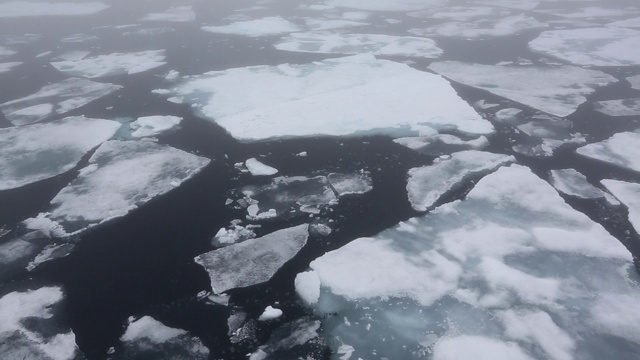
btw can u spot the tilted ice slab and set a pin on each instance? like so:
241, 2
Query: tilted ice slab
7, 66
341, 97
112, 64
42, 8
629, 194
55, 99
387, 5
482, 28
510, 272
622, 149
174, 14
557, 90
427, 184
591, 46
268, 26
154, 125
440, 144
121, 176
623, 107
41, 151
573, 183
334, 43
634, 81
253, 261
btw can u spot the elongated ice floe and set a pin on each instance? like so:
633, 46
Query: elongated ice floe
7, 66
173, 14
6, 52
43, 8
609, 46
348, 96
41, 151
253, 261
629, 194
154, 125
441, 144
573, 183
557, 90
112, 64
482, 28
376, 44
55, 99
387, 5
622, 107
510, 272
268, 26
622, 149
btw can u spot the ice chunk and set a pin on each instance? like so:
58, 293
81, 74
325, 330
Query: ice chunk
112, 64
387, 5
296, 337
154, 125
376, 44
573, 183
346, 96
591, 46
42, 8
482, 28
308, 287
41, 151
623, 107
555, 90
634, 81
440, 144
234, 234
268, 26
629, 194
175, 14
347, 184
427, 184
270, 313
7, 66
256, 168
253, 261
55, 99
477, 347
622, 149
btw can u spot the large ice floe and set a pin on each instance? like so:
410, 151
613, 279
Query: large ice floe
557, 90
335, 43
55, 99
573, 183
622, 149
121, 176
622, 107
482, 28
608, 46
354, 95
174, 14
268, 26
253, 261
387, 5
112, 64
29, 329
511, 272
43, 8
629, 194
41, 151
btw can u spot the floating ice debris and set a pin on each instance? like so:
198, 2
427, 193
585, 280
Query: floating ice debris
482, 28
235, 233
6, 52
427, 184
623, 107
296, 337
441, 144
508, 116
112, 64
462, 13
591, 46
80, 38
20, 339
50, 253
270, 313
256, 168
331, 24
42, 8
241, 330
7, 66
121, 176
634, 81
546, 133
376, 44
348, 184
629, 194
154, 125
41, 151
268, 26
573, 183
346, 96
55, 99
253, 261
387, 5
554, 90
630, 23
148, 338
622, 149
308, 287
74, 55
175, 14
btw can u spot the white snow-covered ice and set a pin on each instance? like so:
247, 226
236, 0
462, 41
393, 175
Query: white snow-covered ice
348, 184
573, 183
256, 168
43, 8
112, 64
629, 194
622, 149
269, 26
270, 313
622, 107
308, 287
154, 125
441, 144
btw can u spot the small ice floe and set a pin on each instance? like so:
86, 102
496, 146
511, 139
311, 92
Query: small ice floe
173, 14
112, 64
256, 168
348, 184
268, 26
442, 144
235, 233
627, 23
270, 313
7, 66
297, 337
622, 149
622, 107
629, 194
307, 286
42, 8
573, 183
482, 28
154, 125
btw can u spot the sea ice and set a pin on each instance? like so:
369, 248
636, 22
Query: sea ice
482, 28
348, 184
622, 149
513, 4
573, 183
441, 144
557, 90
462, 13
308, 287
174, 14
253, 261
630, 23
112, 64
629, 194
591, 46
256, 168
346, 96
589, 12
55, 99
41, 151
330, 24
6, 52
300, 336
634, 81
7, 66
376, 44
270, 313
622, 107
427, 184
154, 125
387, 5
42, 8
268, 26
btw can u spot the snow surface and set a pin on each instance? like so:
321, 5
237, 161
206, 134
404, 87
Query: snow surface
622, 149
308, 287
555, 90
347, 96
268, 26
55, 99
629, 194
253, 261
573, 183
270, 313
482, 28
387, 5
622, 107
43, 8
41, 151
174, 14
154, 125
348, 184
7, 66
112, 64
256, 168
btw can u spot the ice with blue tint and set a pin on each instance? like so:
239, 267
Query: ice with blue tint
629, 194
349, 96
268, 26
512, 272
43, 8
622, 149
622, 107
483, 27
387, 5
573, 183
112, 64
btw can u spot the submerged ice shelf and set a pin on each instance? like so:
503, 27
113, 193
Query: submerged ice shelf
112, 64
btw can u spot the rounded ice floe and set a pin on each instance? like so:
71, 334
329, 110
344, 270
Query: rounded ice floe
622, 149
112, 64
43, 8
270, 313
268, 26
308, 287
634, 81
154, 125
256, 168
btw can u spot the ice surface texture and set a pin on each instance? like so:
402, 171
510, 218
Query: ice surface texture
622, 107
629, 194
112, 64
43, 8
622, 149
573, 183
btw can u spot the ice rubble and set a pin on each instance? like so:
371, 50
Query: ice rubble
376, 44
387, 5
573, 183
146, 337
482, 28
174, 14
427, 184
20, 339
41, 151
154, 125
43, 8
55, 99
112, 64
253, 261
634, 81
629, 194
591, 46
622, 149
345, 96
7, 66
622, 107
512, 269
440, 144
557, 90
348, 184
268, 26
121, 176
256, 168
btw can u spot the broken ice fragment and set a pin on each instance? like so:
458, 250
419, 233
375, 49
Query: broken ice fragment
253, 261
634, 81
482, 28
623, 107
441, 144
629, 194
174, 14
347, 184
270, 313
573, 183
308, 287
112, 64
42, 8
7, 66
622, 149
256, 168
154, 125
268, 26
